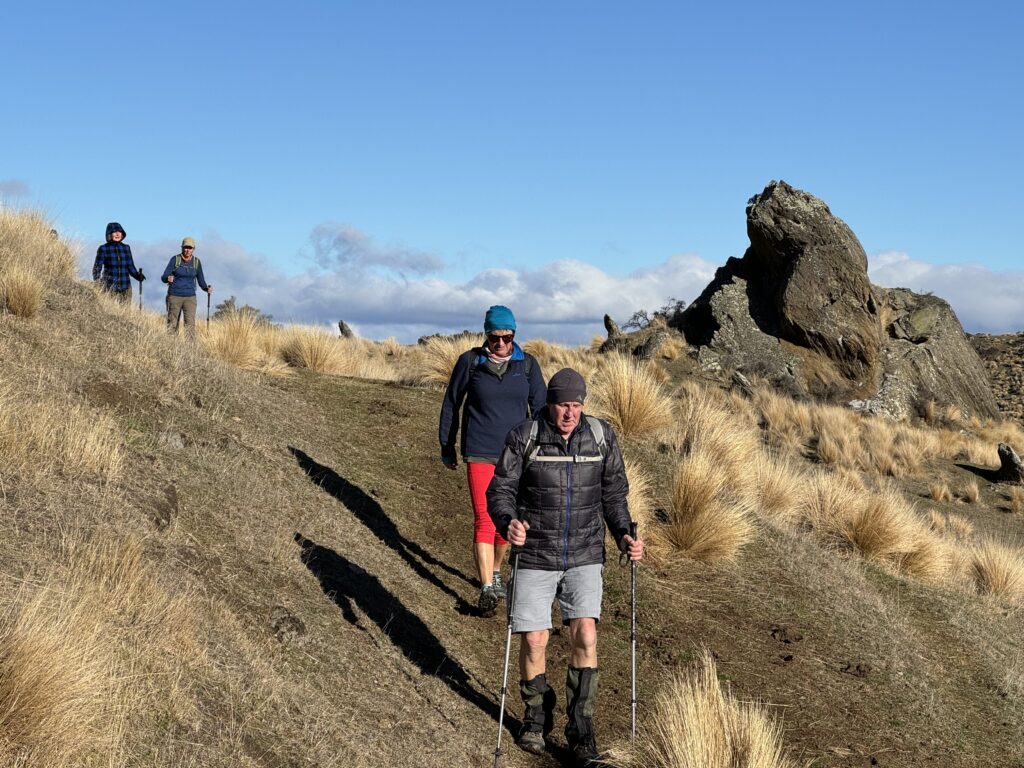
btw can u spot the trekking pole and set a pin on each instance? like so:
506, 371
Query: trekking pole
141, 278
207, 311
632, 636
508, 651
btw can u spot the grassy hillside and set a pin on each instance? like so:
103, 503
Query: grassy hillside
246, 553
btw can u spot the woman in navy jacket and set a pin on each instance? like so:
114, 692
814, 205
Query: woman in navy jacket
496, 386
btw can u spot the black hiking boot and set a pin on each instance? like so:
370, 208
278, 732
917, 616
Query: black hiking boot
487, 603
498, 585
538, 714
581, 688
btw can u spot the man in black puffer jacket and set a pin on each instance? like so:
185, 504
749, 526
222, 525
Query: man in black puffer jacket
559, 481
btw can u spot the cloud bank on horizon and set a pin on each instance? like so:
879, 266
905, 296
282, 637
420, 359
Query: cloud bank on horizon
400, 292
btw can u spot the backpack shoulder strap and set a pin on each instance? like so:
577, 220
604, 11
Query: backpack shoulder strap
531, 444
598, 429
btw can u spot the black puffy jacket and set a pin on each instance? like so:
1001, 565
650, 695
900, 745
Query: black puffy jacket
567, 503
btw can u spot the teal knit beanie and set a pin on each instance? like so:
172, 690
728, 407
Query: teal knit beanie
499, 318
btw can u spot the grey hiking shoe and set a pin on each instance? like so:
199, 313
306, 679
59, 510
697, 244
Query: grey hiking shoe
531, 741
498, 585
487, 603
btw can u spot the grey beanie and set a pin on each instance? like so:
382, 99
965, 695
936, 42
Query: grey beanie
567, 386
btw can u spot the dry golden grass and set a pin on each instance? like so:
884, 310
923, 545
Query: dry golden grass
778, 489
828, 500
21, 291
441, 352
697, 724
939, 491
26, 241
998, 570
240, 340
960, 527
707, 520
89, 651
1016, 499
787, 423
58, 697
937, 521
707, 423
312, 348
630, 396
36, 437
970, 492
641, 509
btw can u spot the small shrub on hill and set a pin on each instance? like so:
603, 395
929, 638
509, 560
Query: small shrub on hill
21, 292
998, 570
312, 348
697, 724
707, 520
630, 396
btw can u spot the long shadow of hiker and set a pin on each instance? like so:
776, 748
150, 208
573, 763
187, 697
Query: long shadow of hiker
347, 584
370, 514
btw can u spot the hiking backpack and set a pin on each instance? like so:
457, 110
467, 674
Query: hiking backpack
595, 426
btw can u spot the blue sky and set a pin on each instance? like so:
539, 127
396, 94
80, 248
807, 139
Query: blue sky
403, 165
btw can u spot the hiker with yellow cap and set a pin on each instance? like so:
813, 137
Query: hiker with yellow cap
182, 273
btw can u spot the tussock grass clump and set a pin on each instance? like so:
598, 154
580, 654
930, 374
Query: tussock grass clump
970, 492
21, 291
998, 570
242, 341
778, 489
57, 691
630, 396
697, 724
706, 520
939, 492
440, 354
312, 348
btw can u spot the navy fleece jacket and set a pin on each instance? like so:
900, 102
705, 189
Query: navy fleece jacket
493, 404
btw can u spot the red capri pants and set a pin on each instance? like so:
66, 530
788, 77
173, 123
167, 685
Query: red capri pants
479, 475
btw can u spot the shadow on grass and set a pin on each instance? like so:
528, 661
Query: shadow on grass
372, 515
350, 586
989, 475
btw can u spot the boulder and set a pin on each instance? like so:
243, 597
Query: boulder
798, 309
1011, 470
928, 353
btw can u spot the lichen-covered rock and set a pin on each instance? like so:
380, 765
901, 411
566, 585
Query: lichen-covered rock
926, 347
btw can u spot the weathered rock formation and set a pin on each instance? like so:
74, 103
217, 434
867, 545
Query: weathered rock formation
799, 310
1003, 356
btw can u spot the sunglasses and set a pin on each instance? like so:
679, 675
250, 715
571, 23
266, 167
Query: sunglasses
187, 247
504, 338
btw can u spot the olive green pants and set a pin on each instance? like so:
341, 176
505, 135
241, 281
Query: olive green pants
176, 307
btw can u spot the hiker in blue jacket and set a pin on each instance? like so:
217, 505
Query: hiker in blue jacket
182, 273
501, 386
114, 267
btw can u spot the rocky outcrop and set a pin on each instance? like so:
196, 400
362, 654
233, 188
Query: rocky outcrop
1003, 356
643, 344
798, 305
927, 350
798, 309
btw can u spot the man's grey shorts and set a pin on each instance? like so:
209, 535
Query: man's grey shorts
579, 591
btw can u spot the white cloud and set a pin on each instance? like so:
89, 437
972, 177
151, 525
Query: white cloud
13, 188
983, 299
340, 246
562, 301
